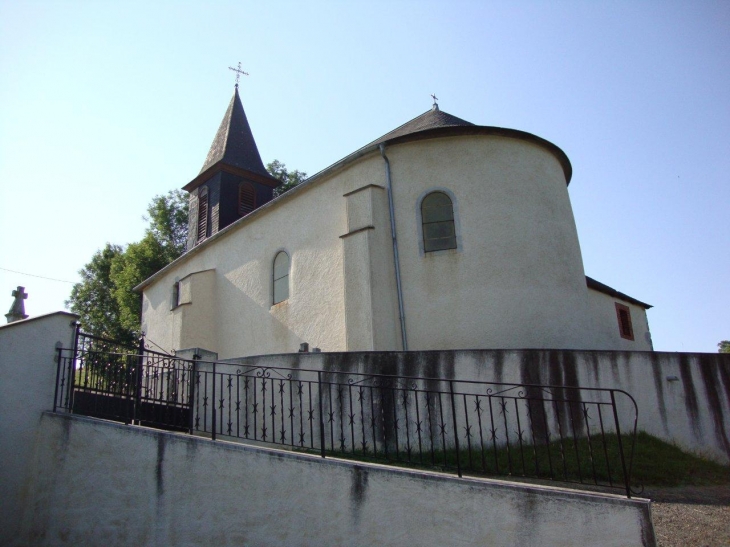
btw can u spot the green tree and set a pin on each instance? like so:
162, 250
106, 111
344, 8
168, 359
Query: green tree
168, 218
724, 346
93, 298
289, 179
139, 261
104, 298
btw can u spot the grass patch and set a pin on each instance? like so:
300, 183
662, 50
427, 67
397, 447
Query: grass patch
658, 463
655, 463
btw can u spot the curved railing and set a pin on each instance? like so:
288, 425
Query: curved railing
567, 434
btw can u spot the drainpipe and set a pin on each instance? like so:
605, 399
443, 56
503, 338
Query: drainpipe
398, 285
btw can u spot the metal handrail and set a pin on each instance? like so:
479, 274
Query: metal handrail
562, 433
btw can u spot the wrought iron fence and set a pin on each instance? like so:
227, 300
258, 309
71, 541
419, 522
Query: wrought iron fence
106, 379
559, 433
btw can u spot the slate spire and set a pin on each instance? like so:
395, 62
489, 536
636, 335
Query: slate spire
234, 144
233, 181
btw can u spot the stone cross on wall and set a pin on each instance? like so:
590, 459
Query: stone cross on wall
17, 310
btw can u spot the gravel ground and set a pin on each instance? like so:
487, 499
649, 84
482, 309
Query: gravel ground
691, 515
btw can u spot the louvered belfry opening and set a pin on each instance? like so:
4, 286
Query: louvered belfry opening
203, 216
246, 198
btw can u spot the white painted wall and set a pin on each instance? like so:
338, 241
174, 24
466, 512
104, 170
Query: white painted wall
515, 281
99, 483
191, 313
683, 398
371, 304
308, 228
27, 380
606, 333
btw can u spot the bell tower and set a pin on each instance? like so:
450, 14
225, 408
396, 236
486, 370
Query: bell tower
233, 181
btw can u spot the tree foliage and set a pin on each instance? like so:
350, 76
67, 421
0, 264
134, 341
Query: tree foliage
138, 262
168, 218
289, 179
93, 299
724, 346
104, 298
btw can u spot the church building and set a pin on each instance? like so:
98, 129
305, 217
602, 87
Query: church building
441, 234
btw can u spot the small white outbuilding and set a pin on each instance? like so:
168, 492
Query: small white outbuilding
441, 234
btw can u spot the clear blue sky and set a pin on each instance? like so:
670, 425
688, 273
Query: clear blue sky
105, 104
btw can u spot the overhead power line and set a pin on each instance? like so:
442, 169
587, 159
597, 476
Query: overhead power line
39, 276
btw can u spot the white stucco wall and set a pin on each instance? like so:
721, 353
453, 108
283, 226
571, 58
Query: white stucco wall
27, 380
99, 483
198, 306
516, 279
371, 306
683, 398
308, 228
606, 333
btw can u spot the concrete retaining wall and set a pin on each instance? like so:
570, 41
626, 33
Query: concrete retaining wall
683, 398
72, 480
27, 381
101, 483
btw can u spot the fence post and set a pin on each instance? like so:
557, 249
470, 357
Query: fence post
58, 377
72, 367
321, 416
627, 480
213, 408
138, 373
191, 391
456, 431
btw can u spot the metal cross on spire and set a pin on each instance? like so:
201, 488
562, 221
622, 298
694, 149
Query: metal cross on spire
238, 72
435, 100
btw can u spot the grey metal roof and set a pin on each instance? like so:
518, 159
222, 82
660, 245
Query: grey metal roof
234, 144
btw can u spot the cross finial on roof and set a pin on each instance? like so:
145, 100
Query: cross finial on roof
238, 72
435, 101
17, 310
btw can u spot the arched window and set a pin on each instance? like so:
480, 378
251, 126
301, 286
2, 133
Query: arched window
246, 198
203, 214
281, 277
437, 216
